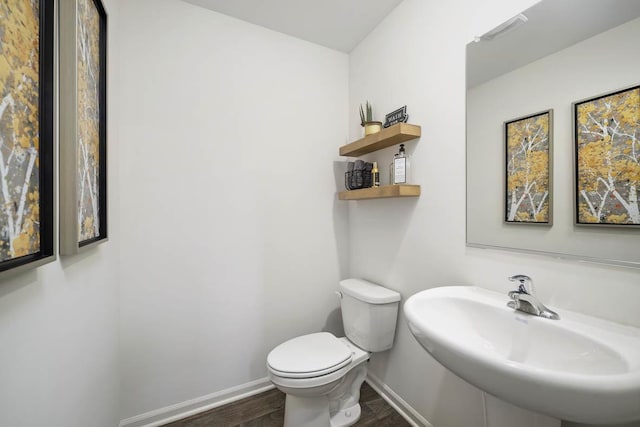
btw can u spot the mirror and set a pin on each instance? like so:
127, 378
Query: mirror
566, 51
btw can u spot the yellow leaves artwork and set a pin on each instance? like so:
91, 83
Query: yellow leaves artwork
608, 158
19, 128
88, 155
528, 142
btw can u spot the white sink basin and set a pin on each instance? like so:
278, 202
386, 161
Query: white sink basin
578, 368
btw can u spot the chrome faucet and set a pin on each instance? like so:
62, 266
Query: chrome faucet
524, 299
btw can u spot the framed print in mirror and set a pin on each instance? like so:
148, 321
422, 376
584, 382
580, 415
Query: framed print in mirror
607, 159
83, 125
528, 161
27, 228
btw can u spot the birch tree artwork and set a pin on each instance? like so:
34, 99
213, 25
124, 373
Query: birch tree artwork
608, 158
19, 129
88, 155
528, 142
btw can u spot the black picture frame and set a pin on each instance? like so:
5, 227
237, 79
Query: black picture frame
45, 153
72, 240
528, 190
606, 136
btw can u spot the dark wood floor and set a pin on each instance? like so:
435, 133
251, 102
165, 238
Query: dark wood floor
267, 410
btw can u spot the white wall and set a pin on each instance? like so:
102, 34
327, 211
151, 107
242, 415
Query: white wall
58, 324
223, 142
233, 241
417, 57
553, 82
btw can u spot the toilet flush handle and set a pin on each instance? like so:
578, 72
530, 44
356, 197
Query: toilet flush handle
339, 294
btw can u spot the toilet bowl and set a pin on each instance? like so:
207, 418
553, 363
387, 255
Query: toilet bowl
322, 374
322, 387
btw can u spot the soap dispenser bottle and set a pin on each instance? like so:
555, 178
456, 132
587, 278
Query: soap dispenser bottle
400, 167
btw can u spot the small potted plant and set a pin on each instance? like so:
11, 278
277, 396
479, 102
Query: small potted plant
366, 120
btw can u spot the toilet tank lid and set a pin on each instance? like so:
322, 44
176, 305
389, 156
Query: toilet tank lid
368, 292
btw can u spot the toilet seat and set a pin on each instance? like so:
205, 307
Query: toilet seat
309, 356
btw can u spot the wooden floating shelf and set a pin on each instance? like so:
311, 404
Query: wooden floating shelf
388, 137
401, 190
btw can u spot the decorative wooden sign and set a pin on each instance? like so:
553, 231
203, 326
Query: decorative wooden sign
398, 116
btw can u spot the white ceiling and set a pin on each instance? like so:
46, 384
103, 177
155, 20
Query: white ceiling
553, 25
336, 24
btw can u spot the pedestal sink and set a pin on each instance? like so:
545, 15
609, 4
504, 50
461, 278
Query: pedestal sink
578, 368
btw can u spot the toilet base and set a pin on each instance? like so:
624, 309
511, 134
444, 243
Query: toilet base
306, 411
339, 407
346, 417
313, 412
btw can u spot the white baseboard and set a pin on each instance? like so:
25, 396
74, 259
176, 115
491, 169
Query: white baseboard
396, 402
191, 407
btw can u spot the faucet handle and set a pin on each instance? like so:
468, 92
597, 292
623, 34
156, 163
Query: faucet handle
525, 285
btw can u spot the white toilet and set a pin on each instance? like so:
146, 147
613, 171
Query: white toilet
322, 374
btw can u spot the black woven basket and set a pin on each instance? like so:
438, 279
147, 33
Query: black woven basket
357, 179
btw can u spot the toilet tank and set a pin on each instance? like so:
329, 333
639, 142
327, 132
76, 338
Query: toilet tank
369, 314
